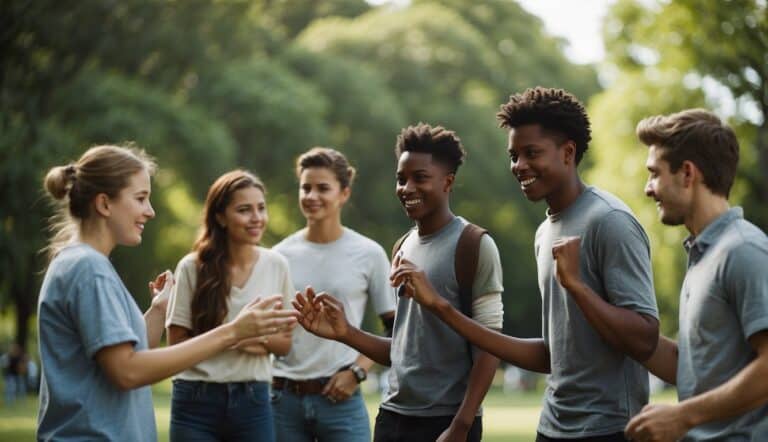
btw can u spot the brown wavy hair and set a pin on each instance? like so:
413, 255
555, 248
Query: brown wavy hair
209, 299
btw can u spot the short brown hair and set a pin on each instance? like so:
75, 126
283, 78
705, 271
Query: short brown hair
330, 159
698, 136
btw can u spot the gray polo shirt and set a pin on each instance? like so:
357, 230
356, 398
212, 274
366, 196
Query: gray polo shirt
723, 301
430, 361
593, 389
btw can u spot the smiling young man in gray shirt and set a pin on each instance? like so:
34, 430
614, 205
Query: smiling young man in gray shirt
720, 361
599, 315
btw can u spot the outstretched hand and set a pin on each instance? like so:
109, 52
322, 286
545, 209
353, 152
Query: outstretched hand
264, 316
321, 314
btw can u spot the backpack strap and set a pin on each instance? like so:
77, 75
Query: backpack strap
398, 244
465, 264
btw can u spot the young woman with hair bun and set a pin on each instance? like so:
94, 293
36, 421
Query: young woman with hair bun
97, 364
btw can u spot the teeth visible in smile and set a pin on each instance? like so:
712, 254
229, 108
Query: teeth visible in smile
528, 182
411, 203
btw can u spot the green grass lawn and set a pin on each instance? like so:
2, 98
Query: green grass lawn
508, 417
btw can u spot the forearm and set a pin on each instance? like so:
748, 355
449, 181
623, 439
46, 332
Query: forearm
480, 378
364, 362
625, 330
372, 346
663, 362
530, 354
154, 320
133, 369
742, 393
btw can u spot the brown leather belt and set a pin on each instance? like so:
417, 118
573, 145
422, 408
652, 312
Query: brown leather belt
300, 388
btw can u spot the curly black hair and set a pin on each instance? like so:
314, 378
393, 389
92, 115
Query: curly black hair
557, 112
444, 145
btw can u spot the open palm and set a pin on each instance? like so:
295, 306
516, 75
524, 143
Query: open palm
322, 314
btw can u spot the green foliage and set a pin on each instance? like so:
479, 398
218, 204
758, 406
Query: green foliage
209, 85
661, 55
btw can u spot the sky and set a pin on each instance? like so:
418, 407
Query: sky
578, 21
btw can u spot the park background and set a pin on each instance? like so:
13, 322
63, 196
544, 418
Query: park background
206, 86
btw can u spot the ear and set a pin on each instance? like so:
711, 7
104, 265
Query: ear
449, 179
690, 173
345, 193
101, 204
569, 152
220, 221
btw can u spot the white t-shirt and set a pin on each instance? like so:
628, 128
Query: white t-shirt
352, 269
269, 276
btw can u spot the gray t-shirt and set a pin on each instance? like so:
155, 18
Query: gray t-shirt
353, 269
83, 308
593, 389
430, 361
723, 301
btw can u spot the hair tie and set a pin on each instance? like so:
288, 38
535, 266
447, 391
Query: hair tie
70, 171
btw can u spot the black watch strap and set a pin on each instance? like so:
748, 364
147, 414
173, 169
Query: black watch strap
359, 372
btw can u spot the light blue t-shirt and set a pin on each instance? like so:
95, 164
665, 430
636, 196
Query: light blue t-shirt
593, 389
723, 301
83, 308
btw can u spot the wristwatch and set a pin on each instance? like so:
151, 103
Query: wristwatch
359, 372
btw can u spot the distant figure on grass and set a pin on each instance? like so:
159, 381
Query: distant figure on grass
94, 342
593, 258
315, 390
226, 396
720, 360
437, 381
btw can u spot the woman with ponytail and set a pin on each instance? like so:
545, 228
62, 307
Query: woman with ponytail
226, 397
94, 342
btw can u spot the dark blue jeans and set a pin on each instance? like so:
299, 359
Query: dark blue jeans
208, 412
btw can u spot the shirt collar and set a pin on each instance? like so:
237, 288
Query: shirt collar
712, 232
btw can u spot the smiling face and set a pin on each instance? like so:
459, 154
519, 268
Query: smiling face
423, 185
320, 194
539, 162
130, 210
667, 188
245, 217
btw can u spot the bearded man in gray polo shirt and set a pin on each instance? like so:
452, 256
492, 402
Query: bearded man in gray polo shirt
720, 361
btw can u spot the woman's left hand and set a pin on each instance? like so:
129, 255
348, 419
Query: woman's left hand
160, 289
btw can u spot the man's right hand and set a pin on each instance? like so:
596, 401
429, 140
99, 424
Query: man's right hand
321, 314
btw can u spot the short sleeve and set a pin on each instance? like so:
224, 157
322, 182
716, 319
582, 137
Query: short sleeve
179, 306
380, 291
100, 309
624, 259
489, 276
746, 283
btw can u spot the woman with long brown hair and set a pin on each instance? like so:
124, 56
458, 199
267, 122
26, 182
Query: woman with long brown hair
94, 343
226, 397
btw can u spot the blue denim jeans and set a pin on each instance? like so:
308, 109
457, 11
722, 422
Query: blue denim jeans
234, 411
312, 417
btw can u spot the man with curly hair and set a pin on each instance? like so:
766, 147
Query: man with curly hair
593, 257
